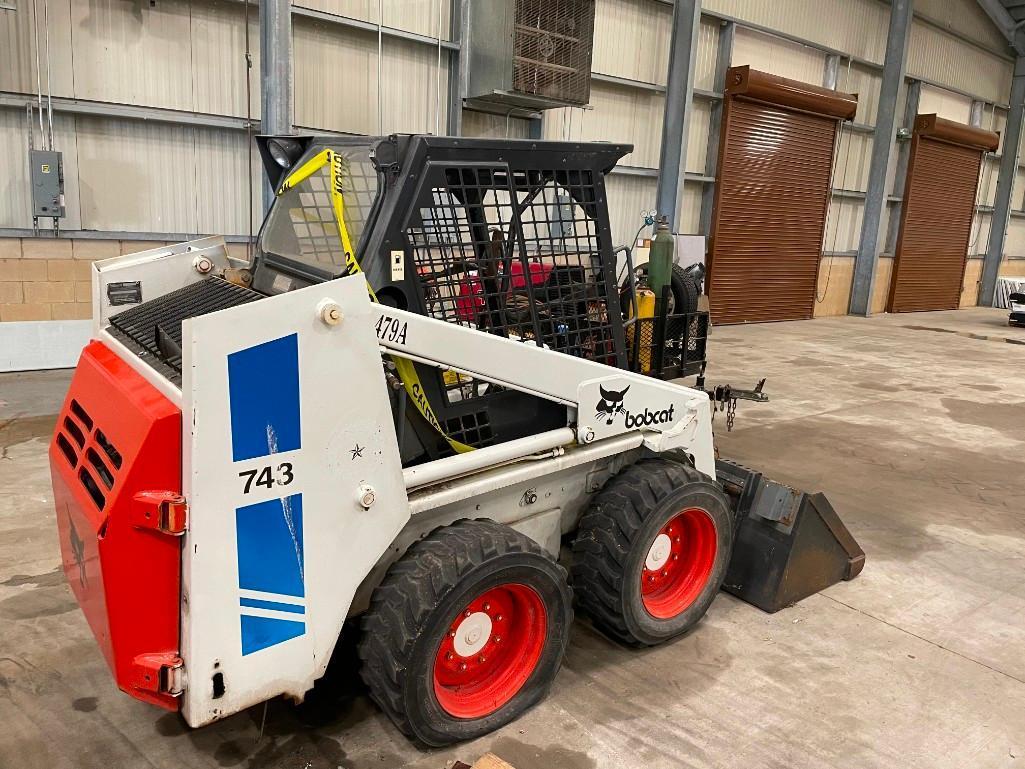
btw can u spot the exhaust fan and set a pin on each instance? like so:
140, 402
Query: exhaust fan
529, 54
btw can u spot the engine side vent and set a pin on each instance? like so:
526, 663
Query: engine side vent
108, 449
100, 468
92, 488
79, 412
76, 437
72, 429
67, 450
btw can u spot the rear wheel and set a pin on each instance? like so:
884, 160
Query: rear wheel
651, 552
466, 632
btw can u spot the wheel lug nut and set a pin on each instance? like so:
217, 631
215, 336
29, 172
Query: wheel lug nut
462, 666
651, 578
665, 573
498, 639
448, 655
452, 633
498, 618
676, 558
467, 613
482, 659
676, 539
487, 607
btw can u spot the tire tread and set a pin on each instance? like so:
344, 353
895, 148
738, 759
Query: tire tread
605, 535
411, 591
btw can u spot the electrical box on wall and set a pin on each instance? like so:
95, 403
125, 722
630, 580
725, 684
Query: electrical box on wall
529, 54
47, 177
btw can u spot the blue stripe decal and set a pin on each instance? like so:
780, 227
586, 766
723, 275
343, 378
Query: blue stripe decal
263, 398
269, 536
256, 603
261, 632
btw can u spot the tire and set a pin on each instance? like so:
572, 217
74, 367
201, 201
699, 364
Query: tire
685, 291
616, 544
474, 577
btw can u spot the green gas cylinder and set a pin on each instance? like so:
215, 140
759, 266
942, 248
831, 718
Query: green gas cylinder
660, 258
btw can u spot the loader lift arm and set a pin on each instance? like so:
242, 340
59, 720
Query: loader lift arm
670, 416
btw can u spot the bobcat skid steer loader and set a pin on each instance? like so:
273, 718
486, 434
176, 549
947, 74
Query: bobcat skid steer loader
399, 409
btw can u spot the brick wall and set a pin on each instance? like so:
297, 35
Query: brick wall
49, 279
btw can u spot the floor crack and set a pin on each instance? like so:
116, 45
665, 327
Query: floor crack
926, 640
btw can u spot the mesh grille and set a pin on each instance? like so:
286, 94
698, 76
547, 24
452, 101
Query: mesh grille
552, 49
514, 254
677, 351
156, 326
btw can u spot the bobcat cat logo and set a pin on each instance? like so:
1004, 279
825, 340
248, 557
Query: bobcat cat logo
611, 403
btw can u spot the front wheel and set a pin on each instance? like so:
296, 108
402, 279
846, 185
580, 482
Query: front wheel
466, 632
651, 551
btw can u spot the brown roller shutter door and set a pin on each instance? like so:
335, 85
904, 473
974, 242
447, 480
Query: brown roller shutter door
936, 218
775, 164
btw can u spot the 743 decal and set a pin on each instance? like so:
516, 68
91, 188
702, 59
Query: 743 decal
267, 476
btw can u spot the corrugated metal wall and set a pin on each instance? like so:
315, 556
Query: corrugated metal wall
188, 55
857, 27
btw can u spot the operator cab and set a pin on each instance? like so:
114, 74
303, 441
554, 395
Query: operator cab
509, 237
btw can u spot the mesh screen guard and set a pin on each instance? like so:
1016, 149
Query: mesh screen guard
520, 248
510, 237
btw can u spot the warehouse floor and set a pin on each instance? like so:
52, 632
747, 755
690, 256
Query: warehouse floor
914, 425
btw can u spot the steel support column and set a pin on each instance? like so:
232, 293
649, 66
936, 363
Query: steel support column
912, 98
275, 73
723, 57
679, 95
882, 142
459, 17
1005, 185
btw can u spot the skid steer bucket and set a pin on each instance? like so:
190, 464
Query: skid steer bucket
788, 544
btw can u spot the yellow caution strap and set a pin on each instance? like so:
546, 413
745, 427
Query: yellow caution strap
404, 368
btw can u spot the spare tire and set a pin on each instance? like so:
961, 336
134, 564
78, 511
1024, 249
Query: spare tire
685, 291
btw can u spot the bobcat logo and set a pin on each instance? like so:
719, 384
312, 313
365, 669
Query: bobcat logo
611, 403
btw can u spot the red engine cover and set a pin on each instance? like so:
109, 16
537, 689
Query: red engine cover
115, 455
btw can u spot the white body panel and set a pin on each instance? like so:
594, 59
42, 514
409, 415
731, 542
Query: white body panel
270, 572
345, 439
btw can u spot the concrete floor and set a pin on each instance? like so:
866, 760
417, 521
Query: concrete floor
914, 425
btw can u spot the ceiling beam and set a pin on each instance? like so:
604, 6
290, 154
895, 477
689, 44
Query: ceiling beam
1003, 20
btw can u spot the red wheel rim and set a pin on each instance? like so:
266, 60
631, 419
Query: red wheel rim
489, 650
678, 563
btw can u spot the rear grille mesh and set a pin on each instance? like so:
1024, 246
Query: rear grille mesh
78, 437
156, 326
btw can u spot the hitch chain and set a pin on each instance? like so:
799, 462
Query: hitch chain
723, 399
